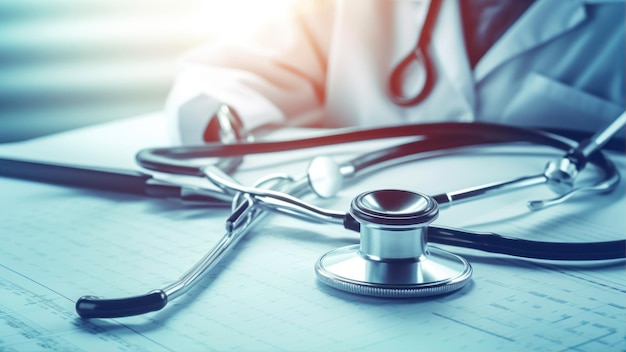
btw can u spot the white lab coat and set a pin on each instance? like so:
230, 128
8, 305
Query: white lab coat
561, 64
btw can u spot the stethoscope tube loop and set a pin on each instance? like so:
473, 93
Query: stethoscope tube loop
396, 79
431, 137
421, 54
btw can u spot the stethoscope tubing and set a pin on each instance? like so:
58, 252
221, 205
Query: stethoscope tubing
488, 242
175, 160
251, 209
517, 247
420, 54
245, 214
430, 138
483, 241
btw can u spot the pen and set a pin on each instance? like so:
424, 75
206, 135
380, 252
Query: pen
109, 179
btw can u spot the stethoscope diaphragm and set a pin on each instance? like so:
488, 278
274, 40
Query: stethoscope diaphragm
393, 258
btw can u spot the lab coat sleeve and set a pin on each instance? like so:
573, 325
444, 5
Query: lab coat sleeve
274, 73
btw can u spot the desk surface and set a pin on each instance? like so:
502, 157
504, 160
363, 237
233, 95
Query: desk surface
61, 243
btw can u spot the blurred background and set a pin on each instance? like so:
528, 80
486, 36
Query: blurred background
71, 63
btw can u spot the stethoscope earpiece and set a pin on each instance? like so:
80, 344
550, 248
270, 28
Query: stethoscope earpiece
393, 258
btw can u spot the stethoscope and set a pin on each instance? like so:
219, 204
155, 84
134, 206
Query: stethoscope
395, 257
419, 56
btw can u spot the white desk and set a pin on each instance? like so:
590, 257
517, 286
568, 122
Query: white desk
57, 244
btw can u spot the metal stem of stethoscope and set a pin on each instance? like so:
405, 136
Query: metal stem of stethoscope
244, 215
274, 200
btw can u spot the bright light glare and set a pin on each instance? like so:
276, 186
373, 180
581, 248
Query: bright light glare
232, 17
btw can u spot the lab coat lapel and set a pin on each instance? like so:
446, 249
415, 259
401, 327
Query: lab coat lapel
449, 50
531, 30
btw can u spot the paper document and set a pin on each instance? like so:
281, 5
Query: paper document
59, 243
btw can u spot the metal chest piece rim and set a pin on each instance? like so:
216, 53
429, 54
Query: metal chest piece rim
393, 259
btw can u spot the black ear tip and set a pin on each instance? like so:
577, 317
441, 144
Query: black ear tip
95, 307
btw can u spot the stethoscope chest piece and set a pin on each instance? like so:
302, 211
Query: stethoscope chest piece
393, 258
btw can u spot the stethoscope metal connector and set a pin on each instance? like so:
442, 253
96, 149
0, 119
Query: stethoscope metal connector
394, 258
